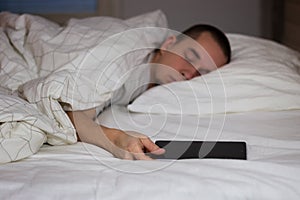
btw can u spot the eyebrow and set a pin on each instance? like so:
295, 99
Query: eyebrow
194, 52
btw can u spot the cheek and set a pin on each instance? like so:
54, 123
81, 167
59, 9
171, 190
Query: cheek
175, 62
183, 66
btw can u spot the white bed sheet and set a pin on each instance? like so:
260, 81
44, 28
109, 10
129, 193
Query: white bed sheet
83, 171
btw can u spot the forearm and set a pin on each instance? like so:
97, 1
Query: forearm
90, 132
119, 143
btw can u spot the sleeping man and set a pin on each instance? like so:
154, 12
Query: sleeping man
177, 59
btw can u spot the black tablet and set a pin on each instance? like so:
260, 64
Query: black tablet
202, 149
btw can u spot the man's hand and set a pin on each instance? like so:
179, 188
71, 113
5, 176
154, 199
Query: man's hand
130, 145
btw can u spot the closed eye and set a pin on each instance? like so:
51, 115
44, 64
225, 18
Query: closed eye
191, 55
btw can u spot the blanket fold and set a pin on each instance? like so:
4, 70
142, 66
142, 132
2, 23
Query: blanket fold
54, 69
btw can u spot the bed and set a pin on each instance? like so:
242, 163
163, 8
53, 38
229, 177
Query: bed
255, 98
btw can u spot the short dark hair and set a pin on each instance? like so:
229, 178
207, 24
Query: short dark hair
195, 31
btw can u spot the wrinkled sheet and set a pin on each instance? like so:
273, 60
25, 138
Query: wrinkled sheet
83, 171
47, 69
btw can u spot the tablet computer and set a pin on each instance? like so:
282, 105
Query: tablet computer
176, 149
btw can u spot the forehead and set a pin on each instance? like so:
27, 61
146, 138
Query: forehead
207, 47
204, 45
212, 48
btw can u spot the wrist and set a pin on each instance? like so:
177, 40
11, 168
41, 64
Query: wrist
111, 136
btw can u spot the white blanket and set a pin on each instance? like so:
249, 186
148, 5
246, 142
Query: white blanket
55, 68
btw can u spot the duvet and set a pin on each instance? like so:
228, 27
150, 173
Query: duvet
46, 69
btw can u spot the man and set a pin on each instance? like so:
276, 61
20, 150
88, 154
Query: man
184, 61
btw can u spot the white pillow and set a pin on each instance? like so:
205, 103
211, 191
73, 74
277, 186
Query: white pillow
263, 75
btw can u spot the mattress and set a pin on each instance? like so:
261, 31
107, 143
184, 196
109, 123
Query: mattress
84, 171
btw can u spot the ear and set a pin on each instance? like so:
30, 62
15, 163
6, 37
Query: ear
170, 41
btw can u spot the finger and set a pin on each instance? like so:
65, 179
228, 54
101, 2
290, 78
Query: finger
141, 156
158, 151
138, 153
128, 155
152, 147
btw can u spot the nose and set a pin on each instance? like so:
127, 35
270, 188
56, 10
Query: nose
187, 75
190, 74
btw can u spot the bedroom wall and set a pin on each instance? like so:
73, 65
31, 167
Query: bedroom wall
250, 17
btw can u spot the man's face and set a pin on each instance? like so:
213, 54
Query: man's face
187, 59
